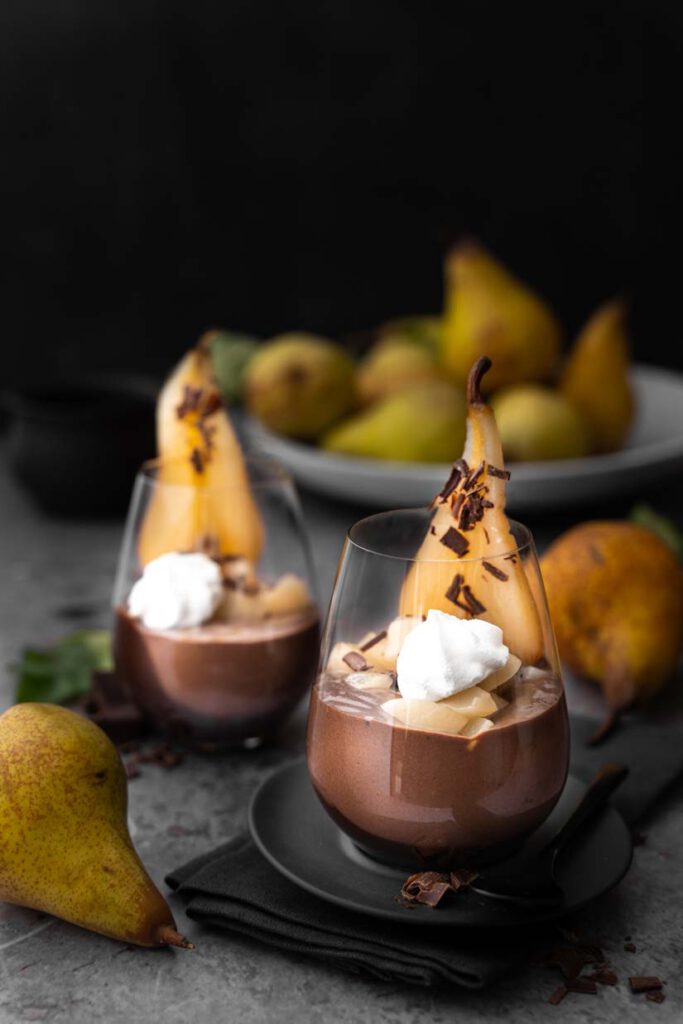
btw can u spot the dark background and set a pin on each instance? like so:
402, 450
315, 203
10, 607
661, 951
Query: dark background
273, 164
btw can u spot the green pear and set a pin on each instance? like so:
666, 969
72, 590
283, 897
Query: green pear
490, 312
394, 365
537, 423
423, 424
64, 842
596, 376
299, 384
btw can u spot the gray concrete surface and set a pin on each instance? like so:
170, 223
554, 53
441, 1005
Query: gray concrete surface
51, 971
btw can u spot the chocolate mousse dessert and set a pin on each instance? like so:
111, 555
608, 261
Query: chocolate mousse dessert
213, 649
441, 740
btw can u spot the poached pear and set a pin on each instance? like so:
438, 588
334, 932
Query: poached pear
595, 377
64, 842
615, 591
538, 423
299, 384
207, 503
489, 311
423, 424
468, 563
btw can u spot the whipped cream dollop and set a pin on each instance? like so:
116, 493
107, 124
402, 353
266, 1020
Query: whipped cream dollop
177, 591
445, 654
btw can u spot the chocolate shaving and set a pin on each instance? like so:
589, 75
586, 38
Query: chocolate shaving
394, 681
584, 985
212, 404
197, 460
644, 984
571, 960
190, 401
373, 640
486, 533
454, 540
457, 504
453, 592
355, 661
558, 995
460, 469
655, 996
510, 558
473, 605
426, 887
495, 571
473, 477
432, 531
502, 474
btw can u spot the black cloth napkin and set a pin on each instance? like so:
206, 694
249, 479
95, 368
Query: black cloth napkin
234, 887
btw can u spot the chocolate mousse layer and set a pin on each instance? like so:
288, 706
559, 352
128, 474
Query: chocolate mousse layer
431, 799
219, 683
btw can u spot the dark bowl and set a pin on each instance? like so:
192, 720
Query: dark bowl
77, 446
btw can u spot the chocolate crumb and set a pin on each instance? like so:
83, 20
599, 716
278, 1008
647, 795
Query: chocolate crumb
629, 947
558, 995
355, 661
432, 531
655, 996
604, 975
582, 984
473, 477
462, 879
642, 983
486, 532
495, 571
454, 540
502, 474
394, 681
571, 960
426, 887
197, 460
373, 640
510, 558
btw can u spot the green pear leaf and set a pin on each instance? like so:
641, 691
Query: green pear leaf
63, 672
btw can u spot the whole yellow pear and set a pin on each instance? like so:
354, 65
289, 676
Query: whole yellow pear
395, 365
615, 592
64, 842
596, 377
490, 312
538, 423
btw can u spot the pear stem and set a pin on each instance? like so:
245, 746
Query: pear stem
168, 936
482, 366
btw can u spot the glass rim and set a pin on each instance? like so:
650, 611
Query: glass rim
275, 472
527, 543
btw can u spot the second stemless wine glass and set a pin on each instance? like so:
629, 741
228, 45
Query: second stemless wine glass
427, 789
234, 679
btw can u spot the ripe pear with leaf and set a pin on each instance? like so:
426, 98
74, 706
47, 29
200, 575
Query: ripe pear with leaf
64, 842
469, 564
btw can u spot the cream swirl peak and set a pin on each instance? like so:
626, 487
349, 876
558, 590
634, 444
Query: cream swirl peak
445, 654
177, 591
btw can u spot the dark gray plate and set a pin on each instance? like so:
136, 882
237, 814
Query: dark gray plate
293, 831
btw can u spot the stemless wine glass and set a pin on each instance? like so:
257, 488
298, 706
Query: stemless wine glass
427, 788
234, 679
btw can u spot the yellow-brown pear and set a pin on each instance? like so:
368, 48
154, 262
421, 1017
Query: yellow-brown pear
64, 842
207, 503
596, 377
489, 311
468, 564
615, 591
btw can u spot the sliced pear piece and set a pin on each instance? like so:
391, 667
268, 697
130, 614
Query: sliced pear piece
473, 702
476, 726
499, 701
426, 715
207, 504
501, 675
370, 680
384, 653
287, 597
467, 565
